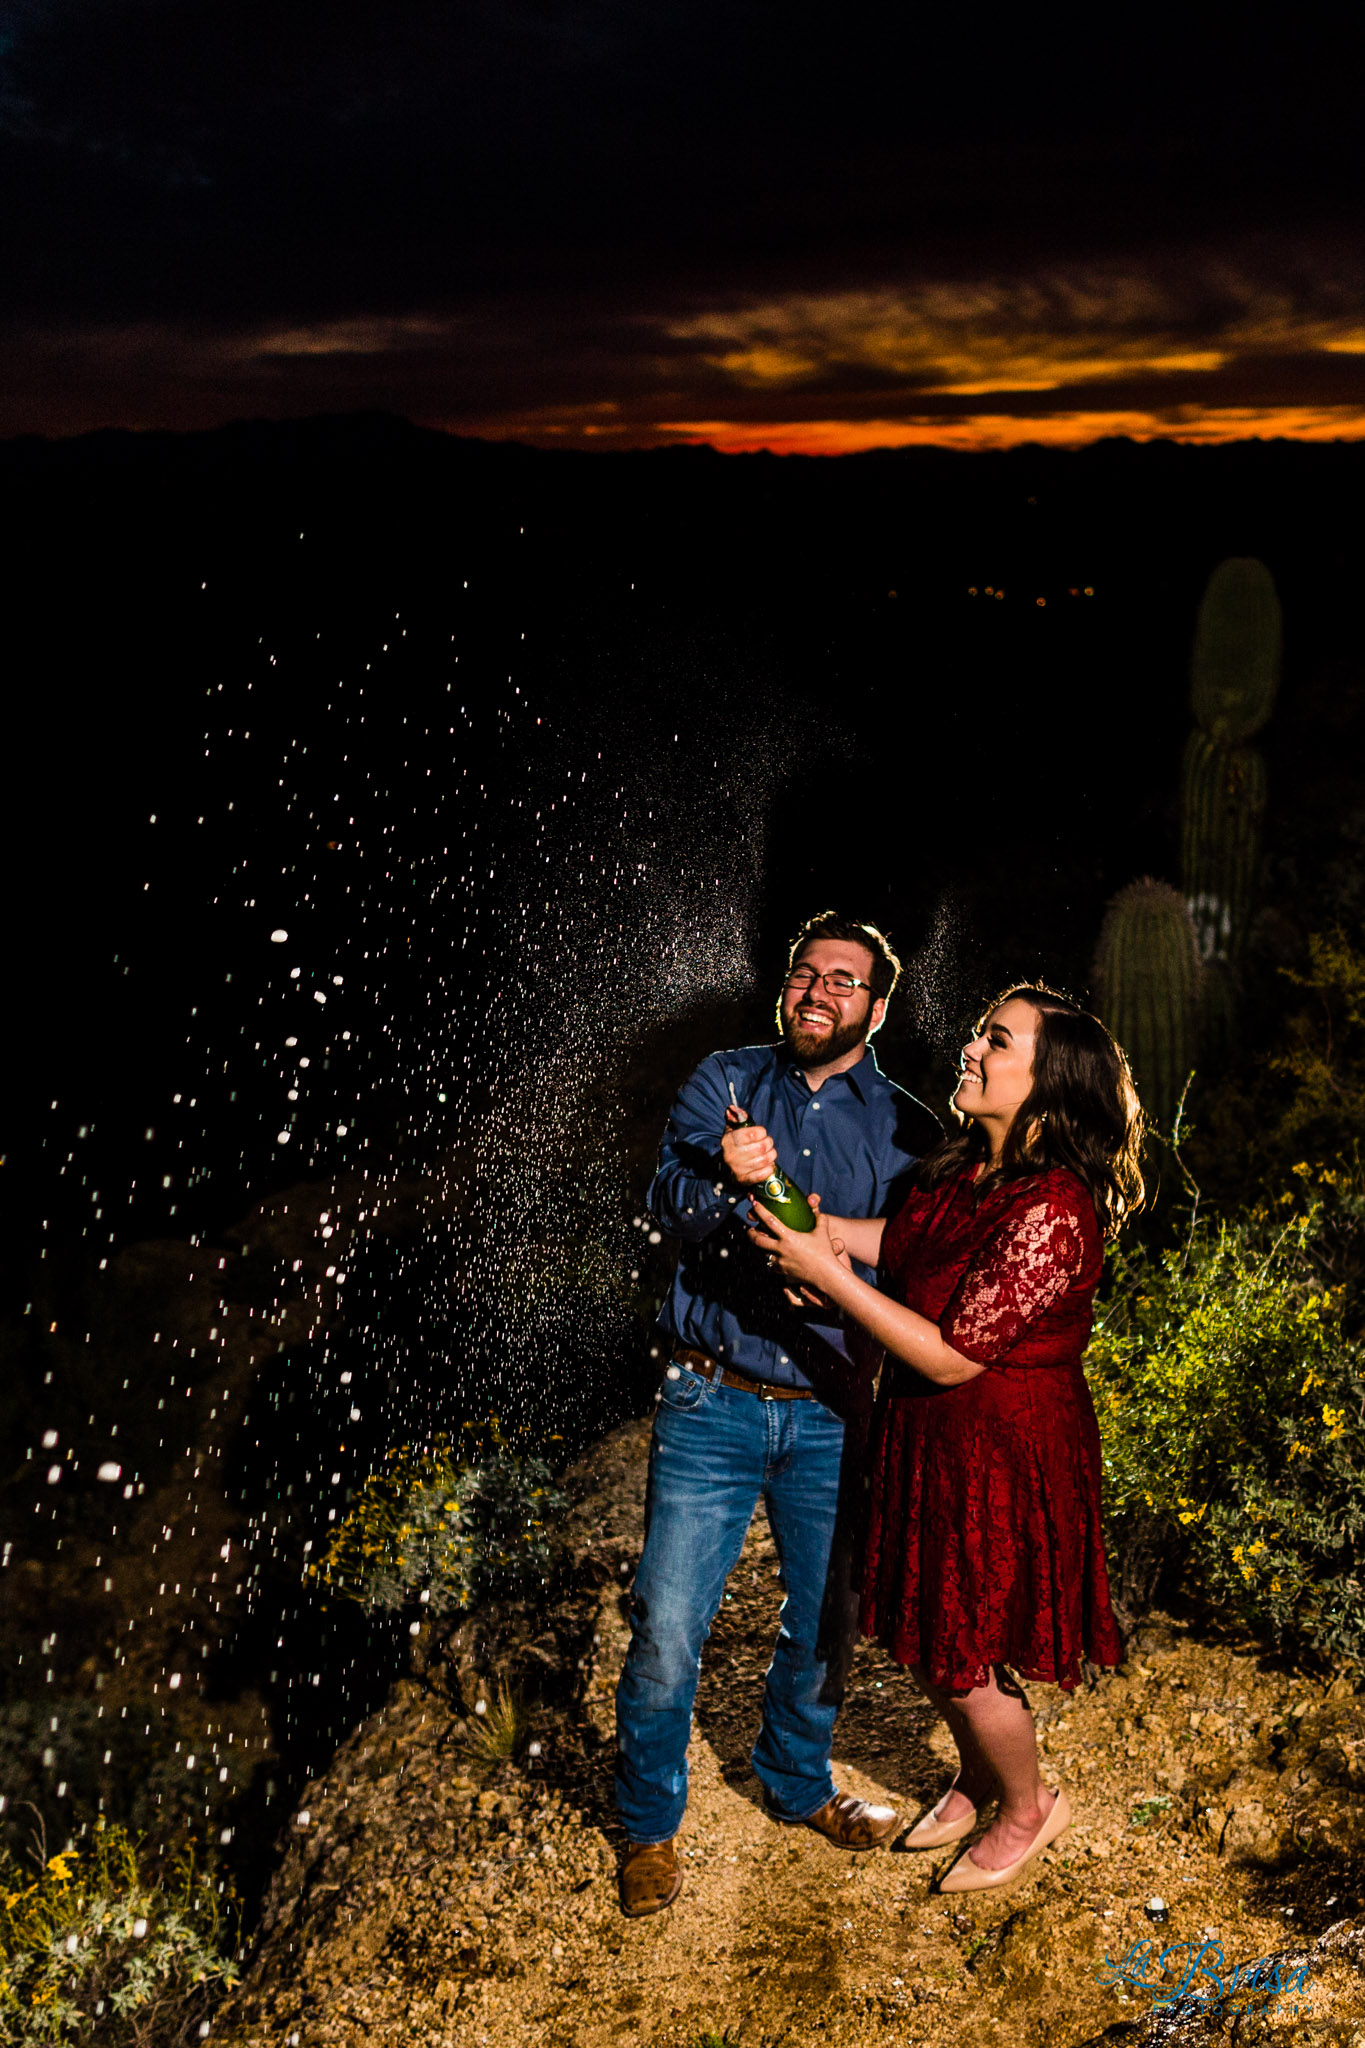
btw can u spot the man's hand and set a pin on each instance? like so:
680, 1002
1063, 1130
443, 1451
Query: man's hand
749, 1153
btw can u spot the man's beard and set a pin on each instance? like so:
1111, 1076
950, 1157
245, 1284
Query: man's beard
817, 1049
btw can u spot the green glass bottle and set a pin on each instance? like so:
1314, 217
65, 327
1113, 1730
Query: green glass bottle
778, 1194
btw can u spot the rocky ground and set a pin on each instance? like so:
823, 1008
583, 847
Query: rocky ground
431, 1894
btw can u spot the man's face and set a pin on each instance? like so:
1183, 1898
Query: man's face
818, 1023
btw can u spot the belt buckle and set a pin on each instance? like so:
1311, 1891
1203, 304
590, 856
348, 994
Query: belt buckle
766, 1392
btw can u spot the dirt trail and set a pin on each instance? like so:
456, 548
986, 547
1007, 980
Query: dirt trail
425, 1901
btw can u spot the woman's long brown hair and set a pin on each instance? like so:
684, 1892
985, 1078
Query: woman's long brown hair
1082, 1113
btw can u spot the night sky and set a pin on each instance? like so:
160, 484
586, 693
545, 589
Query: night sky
628, 222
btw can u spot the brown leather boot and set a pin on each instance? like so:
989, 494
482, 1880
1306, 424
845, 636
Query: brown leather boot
650, 1878
850, 1823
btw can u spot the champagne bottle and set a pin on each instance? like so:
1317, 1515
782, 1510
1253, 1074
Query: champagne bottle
778, 1193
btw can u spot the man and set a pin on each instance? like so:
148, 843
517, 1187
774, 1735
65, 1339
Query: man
754, 1395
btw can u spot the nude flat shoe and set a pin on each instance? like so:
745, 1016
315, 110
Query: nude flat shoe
929, 1832
966, 1876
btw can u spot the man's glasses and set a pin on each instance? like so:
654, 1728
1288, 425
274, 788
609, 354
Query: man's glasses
803, 980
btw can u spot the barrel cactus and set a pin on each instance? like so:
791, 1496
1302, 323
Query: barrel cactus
1235, 668
1147, 978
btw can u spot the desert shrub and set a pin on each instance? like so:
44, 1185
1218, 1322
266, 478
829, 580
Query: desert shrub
90, 1946
1337, 1243
1323, 1055
1231, 1402
444, 1527
66, 1757
1297, 1089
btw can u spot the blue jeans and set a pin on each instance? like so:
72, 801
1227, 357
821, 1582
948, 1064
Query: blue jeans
715, 1450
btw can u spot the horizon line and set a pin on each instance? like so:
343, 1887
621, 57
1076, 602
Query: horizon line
807, 440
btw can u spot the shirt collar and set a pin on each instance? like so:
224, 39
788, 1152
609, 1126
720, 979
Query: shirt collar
864, 1079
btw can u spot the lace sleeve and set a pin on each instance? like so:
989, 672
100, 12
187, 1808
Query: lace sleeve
1028, 1265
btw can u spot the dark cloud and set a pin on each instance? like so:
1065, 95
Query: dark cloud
498, 214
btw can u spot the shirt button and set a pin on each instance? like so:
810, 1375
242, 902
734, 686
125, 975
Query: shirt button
805, 1152
784, 1361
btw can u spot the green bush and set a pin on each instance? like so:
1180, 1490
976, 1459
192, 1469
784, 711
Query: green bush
153, 1769
441, 1528
92, 1946
1231, 1403
1323, 1056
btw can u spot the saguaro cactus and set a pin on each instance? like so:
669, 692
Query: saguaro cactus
1235, 667
1222, 805
1147, 979
1234, 673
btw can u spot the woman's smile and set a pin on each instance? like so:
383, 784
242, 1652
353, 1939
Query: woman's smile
997, 1066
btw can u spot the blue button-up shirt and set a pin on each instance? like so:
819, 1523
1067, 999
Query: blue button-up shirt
852, 1142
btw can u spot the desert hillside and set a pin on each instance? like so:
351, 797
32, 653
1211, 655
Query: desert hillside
434, 1894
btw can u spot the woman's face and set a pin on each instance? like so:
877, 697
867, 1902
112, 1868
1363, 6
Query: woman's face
997, 1067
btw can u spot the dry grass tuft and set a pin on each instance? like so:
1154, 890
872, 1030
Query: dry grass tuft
494, 1736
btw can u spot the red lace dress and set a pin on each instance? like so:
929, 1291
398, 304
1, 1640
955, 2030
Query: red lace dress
984, 1542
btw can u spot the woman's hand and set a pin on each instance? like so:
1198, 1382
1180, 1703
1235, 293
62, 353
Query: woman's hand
818, 1265
809, 1257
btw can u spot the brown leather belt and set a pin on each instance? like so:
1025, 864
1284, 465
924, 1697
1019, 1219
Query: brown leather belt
711, 1368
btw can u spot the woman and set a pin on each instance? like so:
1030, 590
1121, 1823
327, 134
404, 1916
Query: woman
985, 1556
